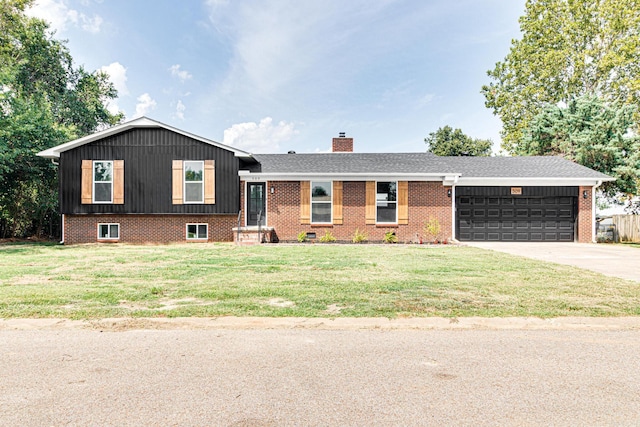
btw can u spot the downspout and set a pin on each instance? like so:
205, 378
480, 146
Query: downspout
453, 209
593, 211
62, 215
62, 241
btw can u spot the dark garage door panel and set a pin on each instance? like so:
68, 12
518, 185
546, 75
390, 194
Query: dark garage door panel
523, 219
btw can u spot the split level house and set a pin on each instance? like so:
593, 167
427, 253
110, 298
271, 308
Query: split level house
144, 181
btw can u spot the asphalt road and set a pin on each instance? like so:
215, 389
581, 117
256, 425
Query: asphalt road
319, 377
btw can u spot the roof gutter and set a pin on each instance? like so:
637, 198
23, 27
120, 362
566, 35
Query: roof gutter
360, 176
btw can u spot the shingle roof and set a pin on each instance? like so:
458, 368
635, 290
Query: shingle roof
419, 163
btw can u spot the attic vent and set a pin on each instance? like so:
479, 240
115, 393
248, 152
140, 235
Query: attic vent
342, 134
291, 152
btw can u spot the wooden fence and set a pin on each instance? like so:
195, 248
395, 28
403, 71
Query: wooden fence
627, 227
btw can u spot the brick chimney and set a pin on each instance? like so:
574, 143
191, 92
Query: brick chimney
341, 144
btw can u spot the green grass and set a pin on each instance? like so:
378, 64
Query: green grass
95, 281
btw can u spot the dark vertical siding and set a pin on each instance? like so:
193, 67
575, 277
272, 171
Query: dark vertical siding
148, 154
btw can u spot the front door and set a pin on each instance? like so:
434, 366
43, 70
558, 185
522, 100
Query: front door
256, 203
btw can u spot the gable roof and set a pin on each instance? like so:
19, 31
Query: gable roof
425, 166
142, 122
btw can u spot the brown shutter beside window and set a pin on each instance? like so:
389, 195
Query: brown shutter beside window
177, 182
87, 182
305, 202
209, 182
403, 202
370, 203
337, 202
118, 182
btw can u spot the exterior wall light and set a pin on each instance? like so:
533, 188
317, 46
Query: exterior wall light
449, 193
585, 194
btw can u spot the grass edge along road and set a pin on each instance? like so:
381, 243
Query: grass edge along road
209, 280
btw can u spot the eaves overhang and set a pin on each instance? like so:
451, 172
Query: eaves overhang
142, 122
531, 181
342, 176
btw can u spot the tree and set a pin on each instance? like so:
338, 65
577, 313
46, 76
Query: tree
449, 142
592, 133
44, 101
569, 48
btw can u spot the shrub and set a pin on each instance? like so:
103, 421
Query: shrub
390, 237
302, 236
327, 238
359, 236
432, 228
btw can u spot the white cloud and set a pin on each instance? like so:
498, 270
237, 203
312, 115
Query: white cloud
181, 74
118, 76
144, 105
180, 108
60, 16
263, 137
91, 25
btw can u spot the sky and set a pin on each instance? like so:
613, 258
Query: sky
269, 76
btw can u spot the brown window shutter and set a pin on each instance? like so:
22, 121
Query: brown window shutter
337, 202
305, 202
403, 202
177, 182
118, 182
87, 182
370, 203
209, 182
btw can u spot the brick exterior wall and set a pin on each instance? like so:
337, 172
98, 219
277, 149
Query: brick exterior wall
585, 216
426, 199
147, 228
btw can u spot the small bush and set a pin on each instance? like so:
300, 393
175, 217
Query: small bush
359, 236
390, 237
327, 238
302, 236
432, 228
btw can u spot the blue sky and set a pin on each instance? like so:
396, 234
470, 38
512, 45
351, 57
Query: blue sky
269, 76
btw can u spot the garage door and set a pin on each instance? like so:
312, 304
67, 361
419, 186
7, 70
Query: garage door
516, 218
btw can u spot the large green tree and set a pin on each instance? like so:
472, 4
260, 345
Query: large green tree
447, 141
44, 101
569, 48
592, 133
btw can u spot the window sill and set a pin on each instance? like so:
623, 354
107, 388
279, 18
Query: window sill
108, 240
390, 225
321, 225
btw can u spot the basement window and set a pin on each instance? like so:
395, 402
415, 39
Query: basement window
197, 231
108, 231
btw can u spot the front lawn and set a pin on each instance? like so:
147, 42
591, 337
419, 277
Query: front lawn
94, 281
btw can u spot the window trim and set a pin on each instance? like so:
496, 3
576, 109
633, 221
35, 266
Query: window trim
376, 202
108, 224
185, 182
197, 224
311, 202
93, 182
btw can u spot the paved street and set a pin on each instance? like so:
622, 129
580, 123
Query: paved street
269, 377
611, 260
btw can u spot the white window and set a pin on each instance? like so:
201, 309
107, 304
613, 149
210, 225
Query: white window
108, 231
321, 202
193, 181
197, 231
387, 202
103, 181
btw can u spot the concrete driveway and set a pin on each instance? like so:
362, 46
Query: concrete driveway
611, 260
